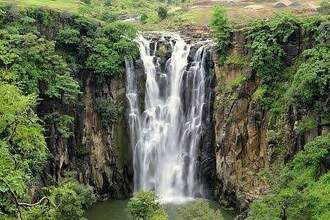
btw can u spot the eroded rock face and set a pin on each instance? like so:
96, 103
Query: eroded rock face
242, 149
243, 146
107, 166
100, 156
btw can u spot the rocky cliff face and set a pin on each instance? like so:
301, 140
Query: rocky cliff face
244, 147
99, 155
77, 138
241, 145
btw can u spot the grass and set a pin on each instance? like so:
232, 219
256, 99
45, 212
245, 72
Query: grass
179, 13
65, 5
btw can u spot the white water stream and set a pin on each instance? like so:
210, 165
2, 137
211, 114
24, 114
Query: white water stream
166, 134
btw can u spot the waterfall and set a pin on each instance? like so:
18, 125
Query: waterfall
166, 134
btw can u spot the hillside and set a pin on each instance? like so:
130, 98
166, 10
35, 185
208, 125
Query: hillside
190, 12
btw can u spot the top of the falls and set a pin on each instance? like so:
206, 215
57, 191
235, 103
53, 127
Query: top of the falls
175, 36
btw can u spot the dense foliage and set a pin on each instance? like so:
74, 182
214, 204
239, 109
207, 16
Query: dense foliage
310, 86
222, 31
199, 209
265, 41
301, 188
144, 205
39, 65
294, 94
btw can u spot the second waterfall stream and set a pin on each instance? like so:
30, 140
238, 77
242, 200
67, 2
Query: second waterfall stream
166, 132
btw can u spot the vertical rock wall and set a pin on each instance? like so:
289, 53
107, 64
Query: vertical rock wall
243, 148
101, 156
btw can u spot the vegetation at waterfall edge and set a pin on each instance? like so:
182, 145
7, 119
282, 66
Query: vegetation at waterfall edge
298, 186
46, 46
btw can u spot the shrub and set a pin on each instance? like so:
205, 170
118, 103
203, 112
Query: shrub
222, 30
298, 192
265, 42
324, 7
162, 12
200, 210
108, 111
159, 214
71, 198
108, 2
68, 36
310, 86
143, 205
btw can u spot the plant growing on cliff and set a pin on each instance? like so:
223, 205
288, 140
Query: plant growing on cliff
38, 67
299, 192
222, 30
266, 39
108, 110
106, 54
309, 90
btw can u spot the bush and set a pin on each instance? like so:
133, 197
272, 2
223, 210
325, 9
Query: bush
310, 86
88, 2
108, 111
108, 2
144, 206
71, 198
301, 190
324, 7
68, 36
222, 30
265, 42
162, 13
159, 214
200, 210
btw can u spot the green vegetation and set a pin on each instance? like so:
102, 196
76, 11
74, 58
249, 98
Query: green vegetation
310, 85
300, 191
39, 66
46, 55
236, 59
265, 42
324, 7
297, 90
144, 205
108, 110
222, 31
199, 209
162, 13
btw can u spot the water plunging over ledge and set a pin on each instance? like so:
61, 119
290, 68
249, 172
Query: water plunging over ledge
166, 134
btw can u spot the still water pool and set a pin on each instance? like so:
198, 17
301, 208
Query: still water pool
116, 210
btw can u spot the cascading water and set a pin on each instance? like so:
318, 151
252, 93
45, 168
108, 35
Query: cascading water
166, 135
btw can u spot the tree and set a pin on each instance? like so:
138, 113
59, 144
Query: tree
162, 12
310, 86
222, 30
199, 209
299, 193
324, 7
22, 147
144, 205
70, 199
